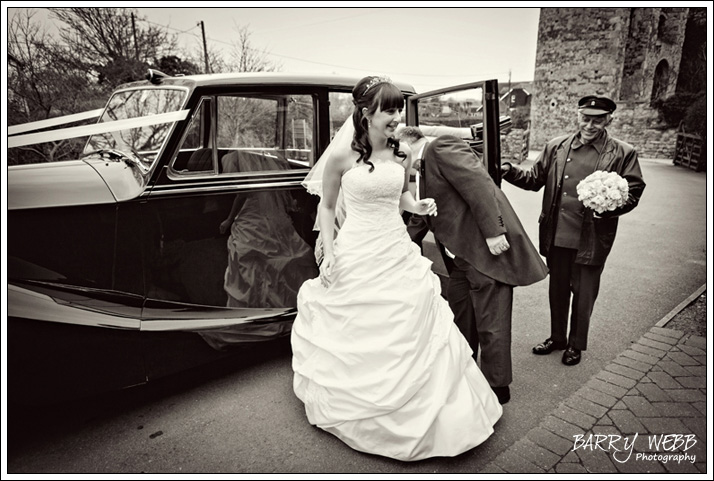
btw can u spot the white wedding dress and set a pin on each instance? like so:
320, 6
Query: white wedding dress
377, 358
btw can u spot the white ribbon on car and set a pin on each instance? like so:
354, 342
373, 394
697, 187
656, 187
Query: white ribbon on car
43, 124
87, 130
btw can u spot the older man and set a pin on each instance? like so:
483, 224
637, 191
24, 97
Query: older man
575, 240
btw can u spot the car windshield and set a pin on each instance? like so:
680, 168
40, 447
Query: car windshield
142, 143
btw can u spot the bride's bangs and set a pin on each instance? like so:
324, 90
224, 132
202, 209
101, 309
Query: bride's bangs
390, 97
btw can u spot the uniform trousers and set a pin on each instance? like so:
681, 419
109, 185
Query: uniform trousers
580, 280
482, 310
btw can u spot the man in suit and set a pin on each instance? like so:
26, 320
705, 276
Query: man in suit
491, 251
574, 240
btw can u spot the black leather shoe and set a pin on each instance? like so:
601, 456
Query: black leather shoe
502, 393
571, 356
546, 347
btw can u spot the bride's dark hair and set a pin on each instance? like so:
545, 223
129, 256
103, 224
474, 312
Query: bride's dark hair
372, 93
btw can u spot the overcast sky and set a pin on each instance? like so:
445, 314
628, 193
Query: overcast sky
428, 47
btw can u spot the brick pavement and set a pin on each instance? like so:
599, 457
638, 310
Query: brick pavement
655, 388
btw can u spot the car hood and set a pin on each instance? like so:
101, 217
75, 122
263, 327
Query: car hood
74, 182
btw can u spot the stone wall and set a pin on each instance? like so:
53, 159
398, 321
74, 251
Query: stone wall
637, 124
514, 146
580, 52
606, 51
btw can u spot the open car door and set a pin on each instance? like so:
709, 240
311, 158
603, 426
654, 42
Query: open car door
470, 112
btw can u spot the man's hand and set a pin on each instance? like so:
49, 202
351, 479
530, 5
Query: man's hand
498, 245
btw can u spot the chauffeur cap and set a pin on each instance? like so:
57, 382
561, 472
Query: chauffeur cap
594, 105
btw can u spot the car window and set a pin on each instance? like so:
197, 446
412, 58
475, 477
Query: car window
144, 143
458, 113
341, 108
253, 133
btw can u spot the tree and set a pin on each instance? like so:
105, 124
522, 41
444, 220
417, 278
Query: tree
245, 58
113, 44
693, 65
40, 86
172, 65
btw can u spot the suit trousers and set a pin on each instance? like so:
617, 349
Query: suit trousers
583, 281
482, 309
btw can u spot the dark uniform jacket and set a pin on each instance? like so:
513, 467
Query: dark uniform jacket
597, 235
471, 209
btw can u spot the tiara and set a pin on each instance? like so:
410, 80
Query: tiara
376, 81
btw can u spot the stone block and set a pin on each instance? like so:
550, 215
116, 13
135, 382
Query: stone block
696, 341
638, 355
673, 368
492, 468
654, 344
610, 430
700, 406
692, 382
570, 468
639, 466
676, 410
663, 331
663, 339
585, 406
632, 363
562, 428
664, 426
692, 350
596, 396
686, 395
625, 371
698, 427
536, 454
683, 467
553, 442
510, 462
596, 461
606, 387
640, 406
641, 348
616, 379
664, 380
626, 422
697, 370
683, 359
653, 392
574, 416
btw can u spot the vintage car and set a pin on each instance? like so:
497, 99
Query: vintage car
182, 232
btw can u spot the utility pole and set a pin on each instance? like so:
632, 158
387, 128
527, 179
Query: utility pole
136, 44
205, 49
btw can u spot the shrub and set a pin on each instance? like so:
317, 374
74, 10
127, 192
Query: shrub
673, 109
695, 119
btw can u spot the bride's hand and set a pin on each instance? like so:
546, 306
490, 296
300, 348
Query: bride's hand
426, 206
326, 269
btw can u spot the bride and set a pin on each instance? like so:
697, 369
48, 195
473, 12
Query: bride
377, 358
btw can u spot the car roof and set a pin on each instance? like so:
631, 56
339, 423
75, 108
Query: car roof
266, 78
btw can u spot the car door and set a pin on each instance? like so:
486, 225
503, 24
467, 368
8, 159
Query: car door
469, 111
229, 236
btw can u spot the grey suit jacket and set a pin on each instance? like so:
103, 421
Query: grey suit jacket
471, 209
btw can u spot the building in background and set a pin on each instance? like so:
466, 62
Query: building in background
631, 55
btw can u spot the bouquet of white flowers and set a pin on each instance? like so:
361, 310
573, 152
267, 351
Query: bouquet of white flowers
602, 191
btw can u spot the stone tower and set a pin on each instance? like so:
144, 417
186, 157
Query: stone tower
631, 55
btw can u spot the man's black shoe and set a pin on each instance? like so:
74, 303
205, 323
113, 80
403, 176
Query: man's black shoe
547, 346
503, 394
571, 356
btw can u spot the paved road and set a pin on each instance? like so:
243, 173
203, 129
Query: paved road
244, 418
